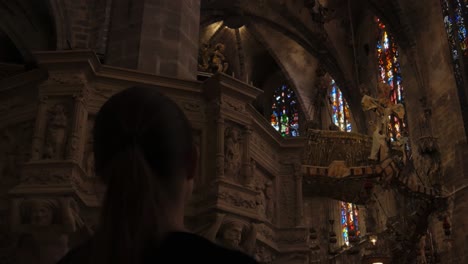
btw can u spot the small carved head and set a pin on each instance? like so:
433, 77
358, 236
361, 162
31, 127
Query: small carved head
231, 233
220, 47
39, 212
232, 133
58, 109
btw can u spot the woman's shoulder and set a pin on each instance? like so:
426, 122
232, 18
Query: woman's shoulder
177, 247
187, 246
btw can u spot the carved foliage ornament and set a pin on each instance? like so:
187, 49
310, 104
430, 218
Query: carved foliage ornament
46, 176
237, 199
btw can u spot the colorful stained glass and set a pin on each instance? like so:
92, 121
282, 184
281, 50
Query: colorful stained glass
455, 26
341, 115
349, 221
285, 115
390, 74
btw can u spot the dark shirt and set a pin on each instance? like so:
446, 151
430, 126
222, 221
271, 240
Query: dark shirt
178, 247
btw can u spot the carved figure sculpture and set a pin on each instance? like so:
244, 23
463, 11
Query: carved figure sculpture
270, 203
204, 55
233, 234
262, 255
384, 108
49, 222
379, 149
219, 63
39, 212
56, 133
261, 201
232, 154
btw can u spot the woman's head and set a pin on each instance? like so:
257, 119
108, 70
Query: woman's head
144, 154
144, 118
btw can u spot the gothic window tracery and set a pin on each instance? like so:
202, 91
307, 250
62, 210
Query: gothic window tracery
341, 115
389, 73
349, 221
455, 14
285, 114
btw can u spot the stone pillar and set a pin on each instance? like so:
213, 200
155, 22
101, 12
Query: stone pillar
74, 151
155, 36
39, 130
299, 201
220, 148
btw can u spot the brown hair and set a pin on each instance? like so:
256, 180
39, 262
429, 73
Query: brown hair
142, 139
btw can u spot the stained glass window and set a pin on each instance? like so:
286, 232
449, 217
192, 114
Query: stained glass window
285, 115
340, 116
349, 221
390, 74
455, 26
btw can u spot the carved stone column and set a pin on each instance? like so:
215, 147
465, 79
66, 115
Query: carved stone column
220, 148
299, 201
79, 118
246, 164
39, 130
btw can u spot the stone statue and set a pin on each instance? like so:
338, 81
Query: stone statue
233, 234
249, 181
232, 154
379, 149
49, 222
261, 201
212, 59
56, 133
270, 202
204, 55
219, 63
262, 255
39, 212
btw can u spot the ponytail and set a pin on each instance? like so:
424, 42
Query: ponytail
130, 206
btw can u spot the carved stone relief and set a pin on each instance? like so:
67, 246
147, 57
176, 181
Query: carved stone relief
212, 58
237, 199
232, 233
264, 254
265, 198
49, 223
233, 104
326, 146
88, 157
57, 130
46, 176
267, 232
65, 78
232, 154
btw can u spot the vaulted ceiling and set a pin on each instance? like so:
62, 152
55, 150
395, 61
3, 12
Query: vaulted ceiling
298, 36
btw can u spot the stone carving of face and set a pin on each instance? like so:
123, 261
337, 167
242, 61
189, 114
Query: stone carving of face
41, 213
232, 234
